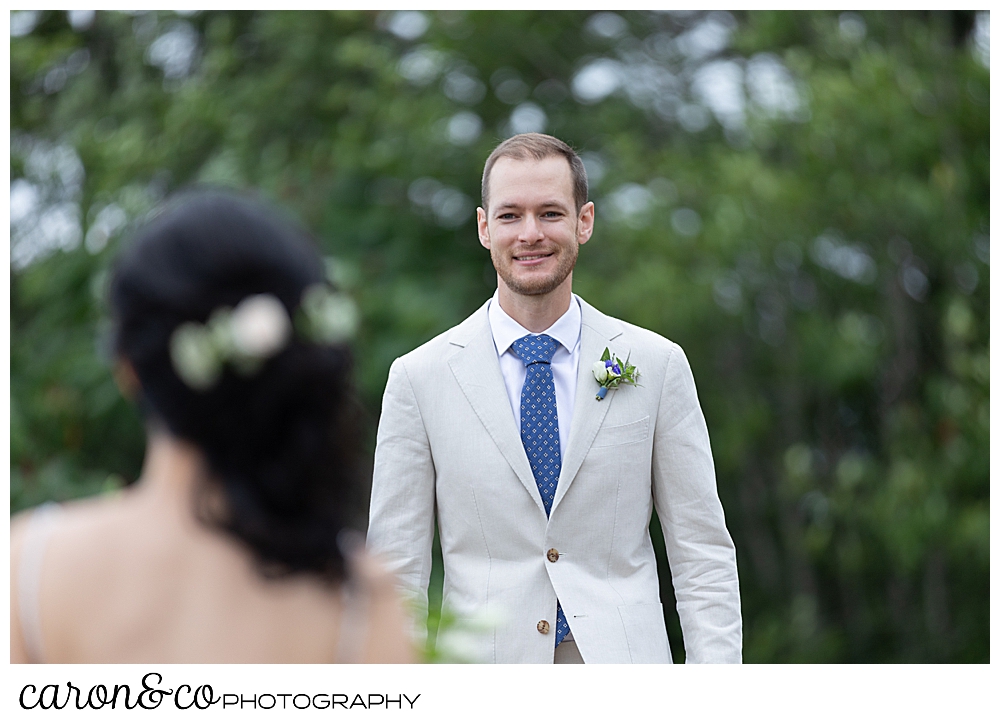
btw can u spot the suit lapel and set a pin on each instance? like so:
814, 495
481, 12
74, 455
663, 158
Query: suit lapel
477, 370
596, 333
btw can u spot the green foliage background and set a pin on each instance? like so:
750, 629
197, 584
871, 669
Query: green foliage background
821, 253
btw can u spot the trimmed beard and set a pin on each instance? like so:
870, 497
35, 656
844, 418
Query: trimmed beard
538, 287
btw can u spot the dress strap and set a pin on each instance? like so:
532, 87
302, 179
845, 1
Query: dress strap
29, 580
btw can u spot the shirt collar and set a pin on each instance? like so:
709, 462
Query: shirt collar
565, 330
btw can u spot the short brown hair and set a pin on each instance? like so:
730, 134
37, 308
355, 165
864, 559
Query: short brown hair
538, 146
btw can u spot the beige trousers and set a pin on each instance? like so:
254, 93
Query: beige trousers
568, 653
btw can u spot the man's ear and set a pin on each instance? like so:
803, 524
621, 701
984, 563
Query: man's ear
126, 379
585, 223
484, 229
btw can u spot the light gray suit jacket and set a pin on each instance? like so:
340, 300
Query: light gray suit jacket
448, 446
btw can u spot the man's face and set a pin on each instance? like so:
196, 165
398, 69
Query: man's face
532, 228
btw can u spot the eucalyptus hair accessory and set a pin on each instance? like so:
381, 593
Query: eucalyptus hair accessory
255, 330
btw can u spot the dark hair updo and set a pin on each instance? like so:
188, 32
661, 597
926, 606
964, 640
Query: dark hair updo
282, 442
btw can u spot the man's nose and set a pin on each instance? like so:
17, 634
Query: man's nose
531, 230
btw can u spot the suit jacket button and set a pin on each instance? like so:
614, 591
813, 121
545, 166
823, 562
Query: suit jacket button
543, 627
553, 555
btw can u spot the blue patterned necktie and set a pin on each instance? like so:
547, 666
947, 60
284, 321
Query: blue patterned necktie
540, 427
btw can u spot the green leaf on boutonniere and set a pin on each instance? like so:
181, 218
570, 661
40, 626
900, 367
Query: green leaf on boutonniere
606, 356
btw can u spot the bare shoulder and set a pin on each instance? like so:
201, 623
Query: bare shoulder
82, 532
22, 526
85, 521
18, 529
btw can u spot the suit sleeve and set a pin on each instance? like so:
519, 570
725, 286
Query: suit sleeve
699, 549
401, 518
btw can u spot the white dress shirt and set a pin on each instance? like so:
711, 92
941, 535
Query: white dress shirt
565, 362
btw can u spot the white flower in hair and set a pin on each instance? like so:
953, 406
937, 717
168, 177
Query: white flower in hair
259, 327
195, 357
330, 317
256, 330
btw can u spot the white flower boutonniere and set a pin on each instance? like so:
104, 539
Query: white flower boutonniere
610, 372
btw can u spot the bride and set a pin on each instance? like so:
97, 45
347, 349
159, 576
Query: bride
234, 544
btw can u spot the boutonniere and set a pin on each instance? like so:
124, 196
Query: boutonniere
610, 372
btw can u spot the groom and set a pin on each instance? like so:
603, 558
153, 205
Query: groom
543, 492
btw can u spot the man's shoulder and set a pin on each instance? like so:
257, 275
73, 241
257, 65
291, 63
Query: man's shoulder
633, 334
432, 352
649, 338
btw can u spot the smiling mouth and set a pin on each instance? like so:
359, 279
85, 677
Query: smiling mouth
527, 258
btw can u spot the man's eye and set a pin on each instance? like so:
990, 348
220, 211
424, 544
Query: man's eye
506, 217
551, 214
